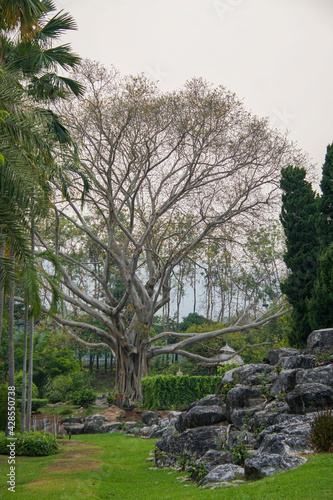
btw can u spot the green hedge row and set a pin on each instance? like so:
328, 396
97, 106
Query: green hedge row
165, 392
31, 444
35, 404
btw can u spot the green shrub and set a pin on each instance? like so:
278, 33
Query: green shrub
30, 443
18, 386
111, 399
221, 370
66, 411
36, 404
86, 397
321, 434
169, 391
239, 453
62, 387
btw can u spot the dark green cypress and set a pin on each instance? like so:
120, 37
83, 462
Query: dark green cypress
299, 217
325, 225
320, 306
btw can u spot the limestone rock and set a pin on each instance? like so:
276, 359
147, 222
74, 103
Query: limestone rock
75, 428
307, 398
241, 397
72, 420
210, 400
191, 442
249, 374
274, 357
268, 465
320, 338
150, 417
112, 427
285, 382
94, 424
213, 458
268, 416
226, 472
305, 361
320, 375
199, 416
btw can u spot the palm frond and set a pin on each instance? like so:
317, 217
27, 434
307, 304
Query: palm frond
51, 86
56, 26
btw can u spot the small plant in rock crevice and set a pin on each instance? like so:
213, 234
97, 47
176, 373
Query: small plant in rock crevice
239, 452
321, 434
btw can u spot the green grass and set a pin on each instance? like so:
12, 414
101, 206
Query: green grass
108, 466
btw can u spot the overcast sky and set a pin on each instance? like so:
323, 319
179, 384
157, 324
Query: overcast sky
276, 55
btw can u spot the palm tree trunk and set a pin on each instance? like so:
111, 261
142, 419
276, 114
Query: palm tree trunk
24, 376
31, 346
11, 364
2, 254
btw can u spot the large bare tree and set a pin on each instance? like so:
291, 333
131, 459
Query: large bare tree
166, 171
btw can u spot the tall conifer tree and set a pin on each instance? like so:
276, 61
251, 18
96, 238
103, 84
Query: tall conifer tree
321, 304
325, 225
299, 217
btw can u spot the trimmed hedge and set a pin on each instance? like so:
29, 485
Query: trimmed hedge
36, 404
32, 444
164, 392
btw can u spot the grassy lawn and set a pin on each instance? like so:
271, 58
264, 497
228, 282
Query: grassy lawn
108, 466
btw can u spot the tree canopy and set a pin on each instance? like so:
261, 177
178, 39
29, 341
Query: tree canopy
166, 172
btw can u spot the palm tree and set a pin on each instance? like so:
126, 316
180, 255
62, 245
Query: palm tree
29, 132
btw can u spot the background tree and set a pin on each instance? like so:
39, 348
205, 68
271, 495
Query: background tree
152, 158
299, 218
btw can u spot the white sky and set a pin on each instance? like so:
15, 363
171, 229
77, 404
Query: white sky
276, 55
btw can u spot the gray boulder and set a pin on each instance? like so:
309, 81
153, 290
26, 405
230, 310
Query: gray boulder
285, 382
74, 429
320, 339
306, 398
284, 444
191, 442
112, 427
268, 465
238, 437
213, 458
94, 424
210, 400
305, 361
226, 472
72, 420
320, 375
286, 428
199, 416
150, 417
268, 416
241, 418
250, 374
274, 357
241, 397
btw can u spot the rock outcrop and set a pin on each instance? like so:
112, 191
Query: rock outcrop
266, 417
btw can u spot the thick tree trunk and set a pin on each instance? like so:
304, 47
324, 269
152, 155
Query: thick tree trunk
131, 367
